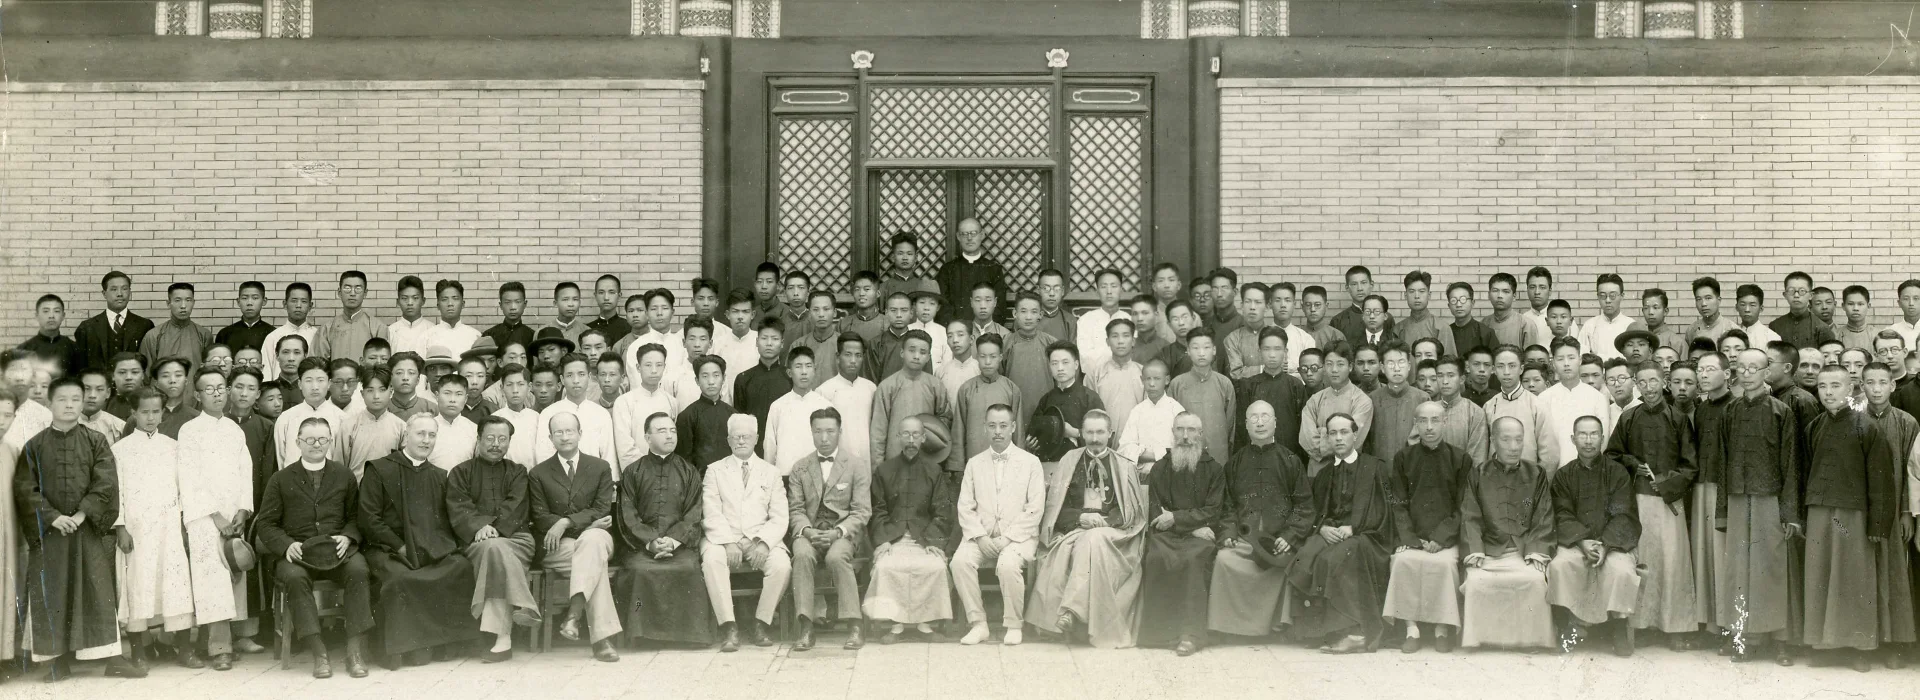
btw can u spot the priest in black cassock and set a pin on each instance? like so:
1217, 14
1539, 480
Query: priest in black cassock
1268, 514
1340, 574
65, 490
487, 504
423, 582
1185, 493
663, 596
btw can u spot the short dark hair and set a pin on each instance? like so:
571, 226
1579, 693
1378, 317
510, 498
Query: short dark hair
307, 365
1750, 290
1420, 276
1540, 272
175, 287
1609, 278
490, 421
769, 267
382, 344
353, 274
298, 287
450, 378
343, 363
55, 298
701, 362
828, 413
1861, 290
1358, 270
114, 275
1499, 277
707, 283
410, 282
513, 287
1707, 283
255, 285
1656, 292
658, 292
798, 351
1798, 275
563, 286
442, 286
904, 238
1233, 278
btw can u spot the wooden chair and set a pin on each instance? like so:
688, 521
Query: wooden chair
822, 583
550, 589
330, 600
746, 585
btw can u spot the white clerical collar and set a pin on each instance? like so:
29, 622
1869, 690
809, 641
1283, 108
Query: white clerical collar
313, 466
1349, 459
973, 258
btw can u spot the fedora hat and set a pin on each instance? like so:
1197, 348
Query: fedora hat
440, 355
239, 554
938, 443
321, 554
550, 336
1620, 341
484, 347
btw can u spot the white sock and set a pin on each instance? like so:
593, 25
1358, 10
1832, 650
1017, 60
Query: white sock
1413, 630
922, 628
897, 628
502, 642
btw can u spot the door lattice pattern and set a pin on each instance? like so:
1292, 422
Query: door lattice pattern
960, 122
1011, 206
1104, 207
913, 200
815, 211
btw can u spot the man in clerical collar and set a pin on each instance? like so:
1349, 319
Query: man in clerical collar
251, 330
424, 582
1338, 576
960, 276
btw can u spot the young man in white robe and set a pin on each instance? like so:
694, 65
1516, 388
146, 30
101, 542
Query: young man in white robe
216, 500
156, 595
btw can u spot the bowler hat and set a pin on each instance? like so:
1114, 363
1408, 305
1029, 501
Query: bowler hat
1620, 341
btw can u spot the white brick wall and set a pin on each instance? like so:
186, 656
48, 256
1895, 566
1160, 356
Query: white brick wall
1661, 181
216, 187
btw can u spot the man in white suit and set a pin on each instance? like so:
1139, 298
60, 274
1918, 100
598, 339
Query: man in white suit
745, 517
1002, 496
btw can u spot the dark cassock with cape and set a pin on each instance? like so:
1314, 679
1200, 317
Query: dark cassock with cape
1506, 514
482, 493
1425, 491
1660, 438
1338, 586
1759, 492
1173, 576
1849, 499
662, 599
422, 597
70, 585
1092, 573
1269, 499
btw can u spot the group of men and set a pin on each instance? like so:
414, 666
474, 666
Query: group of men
1154, 470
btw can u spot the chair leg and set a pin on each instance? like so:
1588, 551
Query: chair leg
282, 630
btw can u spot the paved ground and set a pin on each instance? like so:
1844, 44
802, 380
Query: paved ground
1034, 671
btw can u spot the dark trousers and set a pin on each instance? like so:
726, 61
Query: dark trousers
297, 581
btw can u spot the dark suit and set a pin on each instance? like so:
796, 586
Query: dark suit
292, 510
98, 343
580, 500
843, 501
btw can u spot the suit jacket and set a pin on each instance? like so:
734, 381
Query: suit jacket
736, 508
586, 497
291, 510
848, 498
98, 343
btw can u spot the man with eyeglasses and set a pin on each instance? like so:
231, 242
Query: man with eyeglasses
487, 506
313, 526
1655, 442
1597, 334
1799, 325
216, 499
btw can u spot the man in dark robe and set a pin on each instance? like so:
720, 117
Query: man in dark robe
702, 424
572, 505
1285, 395
1424, 583
1850, 490
1340, 574
65, 492
1757, 443
1597, 527
487, 506
1655, 441
1268, 514
243, 391
1185, 492
423, 579
663, 594
312, 502
1506, 527
911, 526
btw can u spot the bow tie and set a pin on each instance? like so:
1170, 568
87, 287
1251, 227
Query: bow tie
826, 460
999, 458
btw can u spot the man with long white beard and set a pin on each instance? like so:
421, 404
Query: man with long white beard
1185, 494
1088, 574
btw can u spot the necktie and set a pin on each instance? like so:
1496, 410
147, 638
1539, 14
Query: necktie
567, 464
116, 324
746, 477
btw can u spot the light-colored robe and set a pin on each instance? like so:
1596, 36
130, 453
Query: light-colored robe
216, 476
156, 590
1095, 573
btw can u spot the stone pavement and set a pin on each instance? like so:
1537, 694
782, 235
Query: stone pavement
1033, 671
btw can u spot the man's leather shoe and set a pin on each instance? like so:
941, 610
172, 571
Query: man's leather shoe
730, 639
356, 659
805, 641
447, 652
1782, 655
1860, 662
221, 662
493, 657
245, 645
890, 637
1896, 660
1410, 645
857, 637
419, 657
1186, 647
322, 664
760, 638
1443, 643
190, 658
1348, 645
1622, 647
120, 667
138, 660
604, 653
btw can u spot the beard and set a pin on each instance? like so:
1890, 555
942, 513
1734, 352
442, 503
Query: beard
1185, 456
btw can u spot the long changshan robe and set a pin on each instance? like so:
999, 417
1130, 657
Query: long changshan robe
1594, 501
216, 479
1210, 396
1093, 573
156, 582
663, 597
70, 593
1660, 438
1759, 492
1173, 576
912, 522
1506, 514
1338, 586
423, 592
1849, 500
1894, 582
1269, 499
1425, 495
482, 494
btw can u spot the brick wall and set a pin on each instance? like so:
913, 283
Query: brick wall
482, 182
1660, 180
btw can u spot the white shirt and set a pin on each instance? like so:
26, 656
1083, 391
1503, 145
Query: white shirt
683, 384
286, 429
455, 442
789, 436
1597, 334
270, 346
954, 374
630, 413
596, 430
1090, 333
409, 336
456, 339
525, 422
1538, 319
1564, 406
1120, 388
217, 474
1908, 332
740, 354
826, 466
676, 349
854, 400
1149, 429
29, 418
1298, 340
1758, 334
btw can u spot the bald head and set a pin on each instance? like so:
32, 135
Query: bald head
1509, 439
1261, 422
564, 430
1428, 418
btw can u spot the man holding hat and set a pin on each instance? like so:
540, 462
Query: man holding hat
307, 518
216, 498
